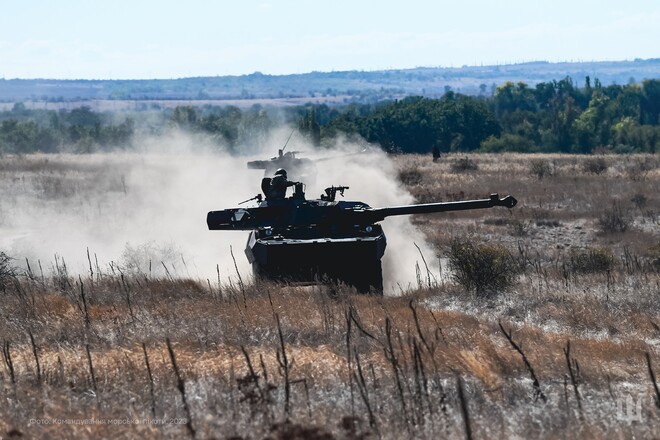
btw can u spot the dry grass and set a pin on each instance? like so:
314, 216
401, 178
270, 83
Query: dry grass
384, 367
442, 332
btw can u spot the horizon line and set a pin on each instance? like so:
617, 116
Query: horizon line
259, 73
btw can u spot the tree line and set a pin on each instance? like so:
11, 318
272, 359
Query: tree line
556, 116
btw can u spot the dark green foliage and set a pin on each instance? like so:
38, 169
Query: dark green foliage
416, 124
463, 165
595, 165
310, 128
508, 142
650, 105
80, 130
481, 268
540, 168
411, 176
594, 260
554, 116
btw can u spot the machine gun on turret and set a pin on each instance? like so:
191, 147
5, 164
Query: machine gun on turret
258, 198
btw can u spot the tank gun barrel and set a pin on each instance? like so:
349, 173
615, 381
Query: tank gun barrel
295, 213
427, 208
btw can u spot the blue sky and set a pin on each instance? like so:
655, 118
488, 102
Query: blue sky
126, 39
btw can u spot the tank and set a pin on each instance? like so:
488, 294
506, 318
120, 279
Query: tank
300, 240
299, 168
296, 166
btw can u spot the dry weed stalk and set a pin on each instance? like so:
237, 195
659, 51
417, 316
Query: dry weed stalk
240, 279
538, 393
653, 381
84, 309
390, 355
181, 386
36, 357
464, 407
364, 391
285, 368
151, 380
257, 396
573, 372
91, 271
127, 293
6, 355
349, 357
91, 369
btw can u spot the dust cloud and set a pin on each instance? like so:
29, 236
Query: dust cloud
145, 210
372, 178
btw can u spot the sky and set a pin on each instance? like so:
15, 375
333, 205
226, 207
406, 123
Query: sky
149, 39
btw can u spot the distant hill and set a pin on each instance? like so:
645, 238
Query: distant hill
331, 87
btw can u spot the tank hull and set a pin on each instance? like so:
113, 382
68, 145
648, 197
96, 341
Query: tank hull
295, 239
351, 260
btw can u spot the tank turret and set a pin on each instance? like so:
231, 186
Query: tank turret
300, 168
297, 239
297, 165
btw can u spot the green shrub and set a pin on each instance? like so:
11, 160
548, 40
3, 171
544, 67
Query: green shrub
595, 165
540, 168
594, 260
508, 142
463, 165
480, 268
410, 176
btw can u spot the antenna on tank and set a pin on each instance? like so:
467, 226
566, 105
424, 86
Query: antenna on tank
287, 141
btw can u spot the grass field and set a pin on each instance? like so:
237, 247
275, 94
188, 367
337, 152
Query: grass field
570, 348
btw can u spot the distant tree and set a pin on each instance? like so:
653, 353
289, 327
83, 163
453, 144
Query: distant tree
223, 126
310, 128
590, 125
650, 106
184, 116
416, 124
117, 135
514, 97
83, 117
19, 109
254, 129
508, 142
17, 136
